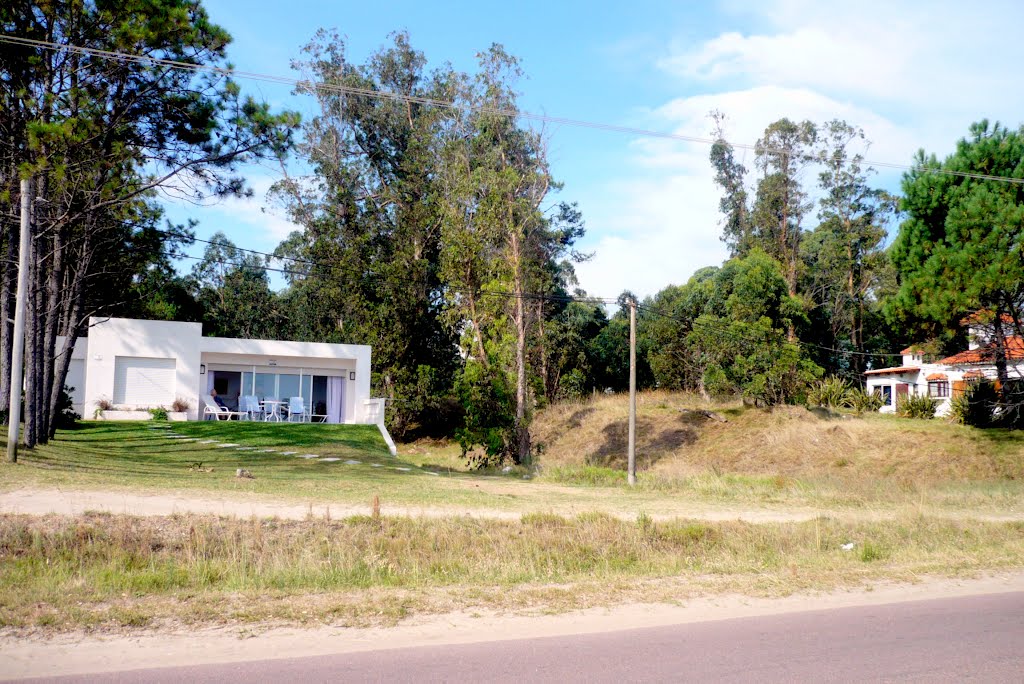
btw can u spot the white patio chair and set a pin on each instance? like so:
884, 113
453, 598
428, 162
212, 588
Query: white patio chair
296, 407
250, 406
217, 412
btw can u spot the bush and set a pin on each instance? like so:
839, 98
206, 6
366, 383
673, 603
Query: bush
975, 406
66, 417
863, 402
832, 392
180, 405
915, 406
158, 413
104, 404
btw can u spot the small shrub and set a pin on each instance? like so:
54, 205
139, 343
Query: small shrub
976, 405
871, 552
864, 402
832, 392
180, 405
158, 413
915, 406
66, 417
104, 404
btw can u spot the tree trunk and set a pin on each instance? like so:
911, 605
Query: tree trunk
8, 273
521, 429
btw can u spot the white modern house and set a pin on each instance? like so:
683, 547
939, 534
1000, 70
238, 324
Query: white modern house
137, 365
944, 378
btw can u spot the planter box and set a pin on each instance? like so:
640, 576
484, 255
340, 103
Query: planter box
125, 415
177, 415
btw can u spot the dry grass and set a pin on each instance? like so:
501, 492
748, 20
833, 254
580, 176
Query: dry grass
101, 571
789, 441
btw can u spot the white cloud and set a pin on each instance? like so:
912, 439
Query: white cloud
912, 75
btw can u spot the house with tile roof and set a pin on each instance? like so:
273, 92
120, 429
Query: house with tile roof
943, 379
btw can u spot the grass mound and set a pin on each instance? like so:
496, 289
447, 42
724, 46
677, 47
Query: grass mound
677, 439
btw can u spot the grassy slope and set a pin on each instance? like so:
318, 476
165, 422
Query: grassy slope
787, 454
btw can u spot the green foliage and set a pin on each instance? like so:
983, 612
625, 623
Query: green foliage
863, 402
955, 250
832, 392
66, 418
976, 405
915, 406
158, 413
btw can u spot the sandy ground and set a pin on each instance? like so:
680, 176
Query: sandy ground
74, 502
86, 654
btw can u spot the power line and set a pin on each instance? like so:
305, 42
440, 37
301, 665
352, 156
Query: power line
415, 99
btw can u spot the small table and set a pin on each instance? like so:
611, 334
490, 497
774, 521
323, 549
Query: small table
270, 410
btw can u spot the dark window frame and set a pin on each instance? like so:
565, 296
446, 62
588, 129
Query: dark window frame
938, 389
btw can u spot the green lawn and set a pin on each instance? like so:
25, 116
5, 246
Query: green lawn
150, 455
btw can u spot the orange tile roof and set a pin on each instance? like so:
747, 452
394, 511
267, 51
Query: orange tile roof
986, 354
889, 371
912, 349
971, 374
936, 376
985, 317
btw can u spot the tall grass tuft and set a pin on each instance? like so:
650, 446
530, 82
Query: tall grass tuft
832, 392
915, 406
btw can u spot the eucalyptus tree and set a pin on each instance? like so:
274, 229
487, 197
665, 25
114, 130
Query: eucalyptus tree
783, 154
101, 136
367, 268
500, 240
846, 263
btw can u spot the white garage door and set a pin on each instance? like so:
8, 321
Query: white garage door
143, 382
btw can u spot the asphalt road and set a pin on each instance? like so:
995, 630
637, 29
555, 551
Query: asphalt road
978, 638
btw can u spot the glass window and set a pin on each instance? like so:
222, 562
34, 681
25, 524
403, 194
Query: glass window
266, 386
885, 392
938, 389
287, 386
246, 384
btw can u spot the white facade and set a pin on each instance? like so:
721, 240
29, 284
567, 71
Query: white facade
139, 364
942, 380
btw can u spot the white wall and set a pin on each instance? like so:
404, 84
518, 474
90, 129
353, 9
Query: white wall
110, 338
113, 337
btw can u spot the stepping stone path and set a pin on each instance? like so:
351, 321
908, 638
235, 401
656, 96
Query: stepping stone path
308, 456
430, 472
267, 451
351, 461
332, 459
246, 449
376, 465
404, 470
207, 441
226, 446
288, 453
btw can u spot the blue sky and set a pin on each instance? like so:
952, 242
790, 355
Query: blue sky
912, 74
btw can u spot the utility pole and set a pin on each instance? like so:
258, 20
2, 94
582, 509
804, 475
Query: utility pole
18, 340
632, 392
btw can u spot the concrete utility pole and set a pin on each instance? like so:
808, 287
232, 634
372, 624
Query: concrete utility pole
632, 392
18, 340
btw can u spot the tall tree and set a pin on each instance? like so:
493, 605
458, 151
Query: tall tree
844, 253
497, 235
730, 176
100, 136
782, 154
959, 249
371, 224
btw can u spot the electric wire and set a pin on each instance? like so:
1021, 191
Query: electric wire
305, 84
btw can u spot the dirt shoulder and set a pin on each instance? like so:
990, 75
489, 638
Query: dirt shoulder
80, 653
74, 502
